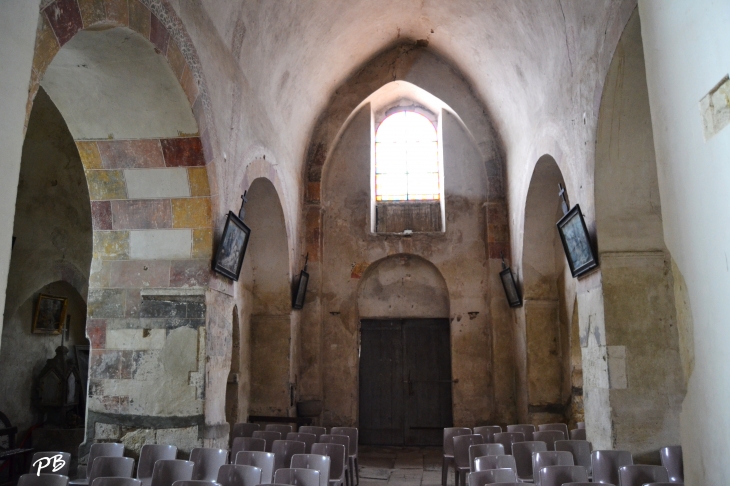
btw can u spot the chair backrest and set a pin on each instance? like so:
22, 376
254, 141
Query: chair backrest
269, 436
488, 431
318, 462
549, 437
283, 429
58, 463
641, 474
311, 429
297, 477
559, 475
238, 475
352, 433
449, 434
207, 462
605, 465
507, 439
522, 452
672, 460
116, 482
491, 476
486, 463
550, 458
461, 448
244, 429
195, 482
578, 434
664, 484
247, 444
479, 450
527, 429
108, 449
111, 467
580, 425
556, 426
337, 439
33, 479
150, 454
259, 459
336, 453
587, 483
283, 451
167, 471
308, 439
581, 450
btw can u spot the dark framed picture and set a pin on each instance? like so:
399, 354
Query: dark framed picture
510, 287
301, 291
576, 242
232, 248
50, 314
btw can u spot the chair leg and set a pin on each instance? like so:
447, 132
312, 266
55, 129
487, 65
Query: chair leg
357, 470
456, 475
352, 470
444, 471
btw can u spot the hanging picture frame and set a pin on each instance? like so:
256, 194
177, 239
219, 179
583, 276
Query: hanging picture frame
50, 314
232, 248
300, 292
577, 242
514, 299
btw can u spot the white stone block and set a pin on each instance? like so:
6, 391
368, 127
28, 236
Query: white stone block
157, 183
136, 339
617, 376
160, 244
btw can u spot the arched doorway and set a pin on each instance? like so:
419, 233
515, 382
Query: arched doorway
405, 353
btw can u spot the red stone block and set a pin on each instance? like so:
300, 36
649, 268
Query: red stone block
141, 214
96, 330
183, 152
131, 154
159, 35
131, 274
190, 273
65, 19
101, 215
496, 250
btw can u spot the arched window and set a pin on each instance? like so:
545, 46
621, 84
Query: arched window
406, 159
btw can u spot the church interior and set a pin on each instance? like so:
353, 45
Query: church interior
429, 229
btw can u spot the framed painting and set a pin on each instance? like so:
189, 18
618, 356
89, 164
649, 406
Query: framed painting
301, 290
510, 287
50, 314
577, 242
229, 257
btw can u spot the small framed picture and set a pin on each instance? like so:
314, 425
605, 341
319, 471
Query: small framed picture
50, 315
301, 291
229, 257
576, 242
510, 287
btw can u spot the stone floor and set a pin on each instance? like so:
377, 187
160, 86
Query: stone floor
401, 466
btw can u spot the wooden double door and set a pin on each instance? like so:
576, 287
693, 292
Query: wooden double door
405, 381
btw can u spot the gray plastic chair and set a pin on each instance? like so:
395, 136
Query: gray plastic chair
297, 477
587, 483
283, 451
549, 437
111, 467
207, 462
116, 482
605, 465
308, 439
33, 479
580, 425
167, 471
49, 460
556, 426
243, 429
486, 463
336, 453
318, 462
259, 459
462, 463
283, 429
101, 449
664, 484
507, 439
479, 450
581, 450
148, 456
488, 431
238, 475
196, 482
342, 440
672, 460
559, 475
492, 476
311, 429
526, 429
353, 464
578, 434
448, 454
522, 452
641, 474
269, 436
247, 444
550, 458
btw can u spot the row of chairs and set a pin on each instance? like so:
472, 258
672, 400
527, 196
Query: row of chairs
634, 475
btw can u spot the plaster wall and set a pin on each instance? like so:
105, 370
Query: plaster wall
686, 51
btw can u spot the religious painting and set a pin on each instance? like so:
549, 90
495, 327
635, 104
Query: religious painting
301, 290
229, 258
576, 242
510, 288
50, 314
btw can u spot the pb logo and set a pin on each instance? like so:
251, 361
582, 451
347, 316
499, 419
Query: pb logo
55, 463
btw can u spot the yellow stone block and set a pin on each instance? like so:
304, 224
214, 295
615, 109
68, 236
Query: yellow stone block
92, 11
140, 18
89, 153
46, 46
202, 244
111, 245
106, 184
194, 212
198, 177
